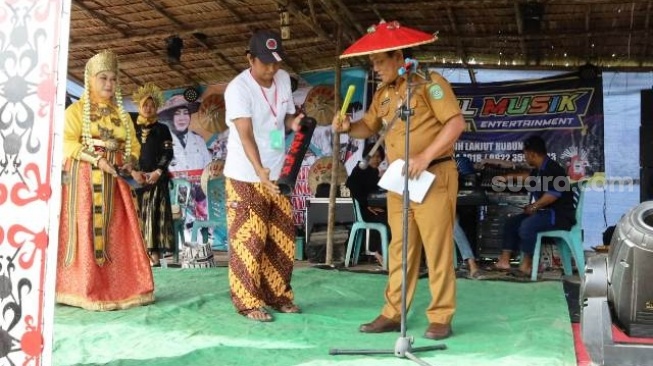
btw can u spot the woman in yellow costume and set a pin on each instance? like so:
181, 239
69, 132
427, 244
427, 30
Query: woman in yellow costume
102, 261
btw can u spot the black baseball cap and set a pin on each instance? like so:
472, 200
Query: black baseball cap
266, 46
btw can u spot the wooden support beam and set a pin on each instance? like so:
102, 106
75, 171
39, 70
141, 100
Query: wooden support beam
227, 6
130, 77
350, 17
114, 25
392, 5
519, 18
630, 34
460, 48
297, 13
589, 50
311, 9
454, 30
372, 7
331, 10
644, 54
335, 158
94, 14
160, 34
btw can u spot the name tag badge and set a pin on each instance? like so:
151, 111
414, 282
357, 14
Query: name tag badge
276, 139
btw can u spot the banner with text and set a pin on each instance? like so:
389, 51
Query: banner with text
565, 110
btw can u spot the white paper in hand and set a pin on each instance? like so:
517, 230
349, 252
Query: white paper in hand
393, 181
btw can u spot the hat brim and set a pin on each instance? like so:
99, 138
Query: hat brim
167, 114
268, 57
388, 37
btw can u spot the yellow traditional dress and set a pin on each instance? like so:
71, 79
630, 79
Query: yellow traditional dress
102, 261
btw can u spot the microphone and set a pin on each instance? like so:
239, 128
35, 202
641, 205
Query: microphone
363, 164
410, 65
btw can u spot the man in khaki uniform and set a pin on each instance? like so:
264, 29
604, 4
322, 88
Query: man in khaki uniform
435, 126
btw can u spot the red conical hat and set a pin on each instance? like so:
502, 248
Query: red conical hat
387, 37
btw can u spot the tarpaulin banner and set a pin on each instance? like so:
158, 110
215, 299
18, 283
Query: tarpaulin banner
565, 110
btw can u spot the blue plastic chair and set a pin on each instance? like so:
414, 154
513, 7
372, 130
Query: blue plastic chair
356, 240
217, 210
569, 242
179, 195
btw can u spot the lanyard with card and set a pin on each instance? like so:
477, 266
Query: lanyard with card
276, 139
276, 135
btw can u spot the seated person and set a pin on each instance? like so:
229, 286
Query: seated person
465, 249
552, 206
465, 170
362, 182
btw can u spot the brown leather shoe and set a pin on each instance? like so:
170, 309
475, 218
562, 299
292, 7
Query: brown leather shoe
381, 325
438, 331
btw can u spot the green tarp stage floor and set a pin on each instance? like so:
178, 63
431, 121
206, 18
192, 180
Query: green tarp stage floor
194, 323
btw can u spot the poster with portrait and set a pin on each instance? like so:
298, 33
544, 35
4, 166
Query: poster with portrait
191, 154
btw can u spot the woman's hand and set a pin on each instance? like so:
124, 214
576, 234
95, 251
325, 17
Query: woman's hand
126, 168
138, 176
107, 167
153, 177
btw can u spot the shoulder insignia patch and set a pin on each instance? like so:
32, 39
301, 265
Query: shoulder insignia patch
436, 92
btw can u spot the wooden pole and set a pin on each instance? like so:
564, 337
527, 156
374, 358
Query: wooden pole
335, 155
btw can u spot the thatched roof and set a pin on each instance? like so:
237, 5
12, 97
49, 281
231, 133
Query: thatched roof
555, 34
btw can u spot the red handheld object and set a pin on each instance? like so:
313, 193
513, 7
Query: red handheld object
295, 155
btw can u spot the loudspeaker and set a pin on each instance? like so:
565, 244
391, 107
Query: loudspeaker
646, 145
646, 106
630, 264
174, 44
645, 184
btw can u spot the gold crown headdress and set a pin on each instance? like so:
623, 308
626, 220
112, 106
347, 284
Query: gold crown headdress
149, 90
103, 61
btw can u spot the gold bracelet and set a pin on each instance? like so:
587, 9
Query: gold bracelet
90, 157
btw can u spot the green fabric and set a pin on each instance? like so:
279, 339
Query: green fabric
194, 323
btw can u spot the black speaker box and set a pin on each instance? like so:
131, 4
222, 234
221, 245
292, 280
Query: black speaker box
646, 184
646, 105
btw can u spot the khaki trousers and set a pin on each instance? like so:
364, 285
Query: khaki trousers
430, 227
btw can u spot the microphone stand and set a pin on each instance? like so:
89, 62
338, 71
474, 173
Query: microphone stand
363, 164
403, 344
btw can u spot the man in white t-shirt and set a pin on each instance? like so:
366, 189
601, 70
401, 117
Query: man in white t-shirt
259, 109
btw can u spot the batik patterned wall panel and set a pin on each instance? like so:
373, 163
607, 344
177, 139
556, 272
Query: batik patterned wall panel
30, 44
